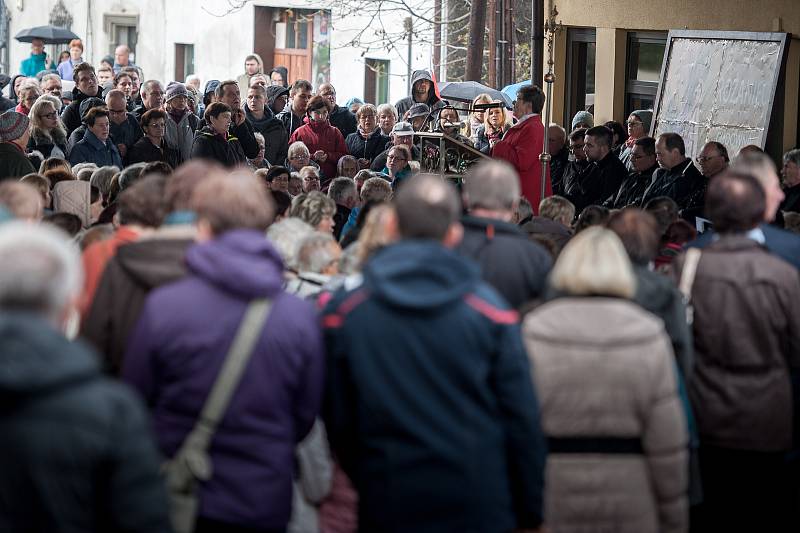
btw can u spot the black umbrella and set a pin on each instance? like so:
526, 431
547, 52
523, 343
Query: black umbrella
466, 91
49, 34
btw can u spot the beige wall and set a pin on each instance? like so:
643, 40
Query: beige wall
614, 18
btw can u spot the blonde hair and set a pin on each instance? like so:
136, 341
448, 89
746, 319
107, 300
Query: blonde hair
503, 112
57, 134
594, 262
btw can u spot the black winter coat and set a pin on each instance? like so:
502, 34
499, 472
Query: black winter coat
342, 119
276, 139
144, 151
681, 183
598, 182
76, 452
45, 146
209, 145
368, 148
631, 190
515, 266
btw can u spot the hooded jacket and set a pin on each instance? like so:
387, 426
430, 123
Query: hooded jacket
76, 452
71, 115
290, 121
180, 135
430, 410
368, 148
135, 270
175, 354
243, 80
45, 145
276, 144
322, 136
434, 102
515, 266
34, 64
225, 150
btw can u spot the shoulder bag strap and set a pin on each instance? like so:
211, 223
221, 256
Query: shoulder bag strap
690, 263
230, 375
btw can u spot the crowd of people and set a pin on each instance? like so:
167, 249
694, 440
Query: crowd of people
246, 309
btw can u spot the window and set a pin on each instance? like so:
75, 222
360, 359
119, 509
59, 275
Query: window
184, 60
376, 81
122, 29
645, 56
581, 47
293, 30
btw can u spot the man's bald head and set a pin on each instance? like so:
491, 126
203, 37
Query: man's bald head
427, 207
735, 202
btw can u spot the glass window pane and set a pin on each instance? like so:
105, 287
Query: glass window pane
651, 55
590, 55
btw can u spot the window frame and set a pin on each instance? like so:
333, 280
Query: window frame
637, 88
576, 35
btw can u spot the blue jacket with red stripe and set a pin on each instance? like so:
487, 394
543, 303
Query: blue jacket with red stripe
430, 406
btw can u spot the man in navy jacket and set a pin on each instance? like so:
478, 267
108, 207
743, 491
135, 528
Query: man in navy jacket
429, 404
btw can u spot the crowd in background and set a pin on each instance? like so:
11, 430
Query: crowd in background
622, 354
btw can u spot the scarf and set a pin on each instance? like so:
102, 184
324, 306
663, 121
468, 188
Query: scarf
630, 142
365, 135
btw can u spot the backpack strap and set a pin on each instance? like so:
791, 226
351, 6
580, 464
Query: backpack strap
236, 360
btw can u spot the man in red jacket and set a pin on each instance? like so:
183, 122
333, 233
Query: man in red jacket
522, 145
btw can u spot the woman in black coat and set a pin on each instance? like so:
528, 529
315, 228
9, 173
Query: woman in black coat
214, 142
369, 141
153, 146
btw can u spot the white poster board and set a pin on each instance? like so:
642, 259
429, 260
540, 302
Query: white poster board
718, 86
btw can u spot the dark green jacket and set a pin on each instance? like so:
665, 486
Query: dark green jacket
13, 162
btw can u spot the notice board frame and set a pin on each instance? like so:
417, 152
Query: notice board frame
779, 37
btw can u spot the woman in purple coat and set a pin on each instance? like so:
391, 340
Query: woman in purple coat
185, 331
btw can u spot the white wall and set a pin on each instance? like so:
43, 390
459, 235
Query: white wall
220, 43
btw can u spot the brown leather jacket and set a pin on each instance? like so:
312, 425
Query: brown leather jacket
746, 338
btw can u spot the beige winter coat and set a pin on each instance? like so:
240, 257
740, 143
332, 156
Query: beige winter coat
604, 368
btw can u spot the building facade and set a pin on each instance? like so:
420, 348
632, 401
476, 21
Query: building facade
175, 38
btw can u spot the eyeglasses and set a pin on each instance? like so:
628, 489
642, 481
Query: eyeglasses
49, 115
635, 157
299, 158
310, 179
633, 123
576, 147
702, 159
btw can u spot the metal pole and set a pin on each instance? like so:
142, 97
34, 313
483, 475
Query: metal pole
409, 26
550, 28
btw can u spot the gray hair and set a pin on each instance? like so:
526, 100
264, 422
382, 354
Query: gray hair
387, 108
792, 156
79, 166
41, 269
297, 147
491, 185
376, 190
130, 174
341, 189
286, 236
314, 253
101, 178
147, 87
85, 174
312, 207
